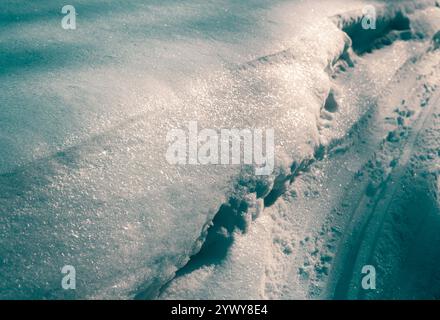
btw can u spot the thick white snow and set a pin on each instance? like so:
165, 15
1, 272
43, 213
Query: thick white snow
83, 124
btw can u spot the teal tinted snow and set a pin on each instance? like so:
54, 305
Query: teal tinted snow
83, 121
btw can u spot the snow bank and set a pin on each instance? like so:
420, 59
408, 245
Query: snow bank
85, 181
275, 267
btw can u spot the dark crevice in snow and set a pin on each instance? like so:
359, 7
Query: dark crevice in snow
217, 240
230, 218
388, 30
330, 104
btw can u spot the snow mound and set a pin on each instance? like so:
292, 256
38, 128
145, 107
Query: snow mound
85, 180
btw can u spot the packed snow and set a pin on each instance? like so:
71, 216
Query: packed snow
84, 179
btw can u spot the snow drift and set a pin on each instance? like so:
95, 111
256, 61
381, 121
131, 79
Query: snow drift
84, 180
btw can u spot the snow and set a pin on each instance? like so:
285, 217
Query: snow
84, 179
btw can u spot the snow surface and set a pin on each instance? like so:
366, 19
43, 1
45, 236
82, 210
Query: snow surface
84, 118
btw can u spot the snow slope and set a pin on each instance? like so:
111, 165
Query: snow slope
84, 118
298, 248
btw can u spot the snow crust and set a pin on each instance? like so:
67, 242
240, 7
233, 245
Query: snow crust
84, 118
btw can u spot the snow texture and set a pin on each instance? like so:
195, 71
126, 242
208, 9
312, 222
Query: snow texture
83, 176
